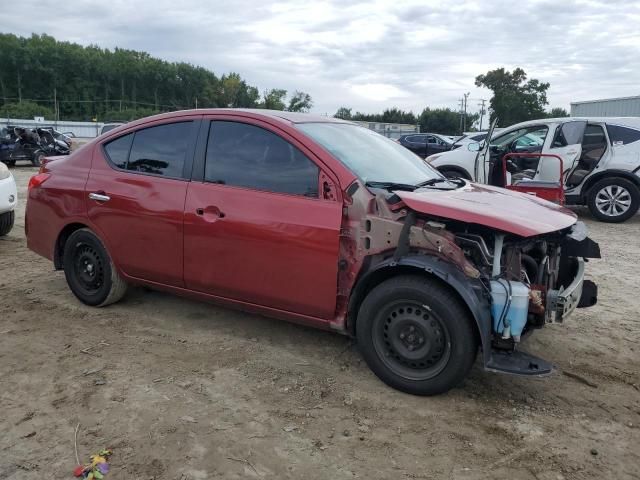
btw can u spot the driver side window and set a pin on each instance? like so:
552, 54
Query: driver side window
527, 139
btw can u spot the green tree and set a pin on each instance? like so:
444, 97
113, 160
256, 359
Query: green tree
514, 98
25, 110
344, 113
558, 112
91, 82
300, 102
274, 99
444, 121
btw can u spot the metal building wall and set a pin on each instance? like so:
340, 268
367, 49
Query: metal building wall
614, 107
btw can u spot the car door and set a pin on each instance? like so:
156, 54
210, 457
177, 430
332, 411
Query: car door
256, 228
135, 197
435, 145
567, 144
417, 144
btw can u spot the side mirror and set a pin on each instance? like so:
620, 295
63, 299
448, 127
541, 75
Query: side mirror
473, 147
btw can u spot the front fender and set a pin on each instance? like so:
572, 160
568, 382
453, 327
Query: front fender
471, 291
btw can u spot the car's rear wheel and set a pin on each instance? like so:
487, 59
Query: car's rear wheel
36, 161
90, 272
613, 199
416, 335
6, 222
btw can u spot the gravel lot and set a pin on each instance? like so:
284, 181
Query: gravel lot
186, 390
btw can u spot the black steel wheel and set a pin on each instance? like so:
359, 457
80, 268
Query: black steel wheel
89, 271
416, 335
411, 340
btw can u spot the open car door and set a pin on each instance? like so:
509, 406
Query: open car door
481, 166
567, 144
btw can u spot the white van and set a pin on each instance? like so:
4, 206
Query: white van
601, 161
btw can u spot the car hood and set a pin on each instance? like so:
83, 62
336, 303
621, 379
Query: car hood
511, 212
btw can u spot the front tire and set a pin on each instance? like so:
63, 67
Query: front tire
613, 199
90, 272
6, 222
416, 335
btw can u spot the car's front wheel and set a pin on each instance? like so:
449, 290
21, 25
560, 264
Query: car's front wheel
416, 335
89, 270
6, 222
613, 199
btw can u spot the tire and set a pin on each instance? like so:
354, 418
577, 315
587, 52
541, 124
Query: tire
36, 161
89, 270
6, 222
613, 199
416, 335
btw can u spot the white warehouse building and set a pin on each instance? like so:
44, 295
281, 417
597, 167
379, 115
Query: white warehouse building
612, 107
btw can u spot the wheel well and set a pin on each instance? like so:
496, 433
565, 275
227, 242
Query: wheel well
463, 173
61, 240
591, 181
367, 284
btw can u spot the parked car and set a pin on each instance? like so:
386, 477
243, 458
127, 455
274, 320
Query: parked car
425, 144
8, 200
601, 161
468, 138
31, 145
317, 221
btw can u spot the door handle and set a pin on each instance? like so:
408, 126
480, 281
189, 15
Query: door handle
210, 211
99, 197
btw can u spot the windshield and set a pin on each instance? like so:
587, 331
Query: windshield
369, 155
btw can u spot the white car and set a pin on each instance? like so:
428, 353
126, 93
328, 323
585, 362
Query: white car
8, 199
600, 157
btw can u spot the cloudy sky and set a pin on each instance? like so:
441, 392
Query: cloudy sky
370, 54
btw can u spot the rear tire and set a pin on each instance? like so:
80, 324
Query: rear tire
613, 199
36, 161
416, 335
89, 270
6, 222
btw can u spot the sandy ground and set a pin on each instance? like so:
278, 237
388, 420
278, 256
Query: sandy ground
185, 390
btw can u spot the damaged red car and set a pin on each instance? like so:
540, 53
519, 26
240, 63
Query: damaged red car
317, 221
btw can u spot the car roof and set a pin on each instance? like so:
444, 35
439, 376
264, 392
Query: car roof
626, 121
278, 115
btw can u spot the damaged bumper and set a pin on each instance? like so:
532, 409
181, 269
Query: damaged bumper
562, 302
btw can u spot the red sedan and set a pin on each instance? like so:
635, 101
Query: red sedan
316, 221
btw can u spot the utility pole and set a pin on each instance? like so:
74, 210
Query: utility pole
461, 101
55, 106
482, 112
196, 103
464, 124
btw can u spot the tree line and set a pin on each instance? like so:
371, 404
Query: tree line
40, 76
515, 99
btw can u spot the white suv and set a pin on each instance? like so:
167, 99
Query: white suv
8, 199
601, 161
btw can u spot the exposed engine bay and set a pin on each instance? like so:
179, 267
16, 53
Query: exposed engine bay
512, 284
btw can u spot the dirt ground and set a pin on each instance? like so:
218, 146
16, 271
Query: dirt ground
185, 390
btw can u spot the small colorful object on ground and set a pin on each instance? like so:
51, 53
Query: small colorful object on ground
98, 467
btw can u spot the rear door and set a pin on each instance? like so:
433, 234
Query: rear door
135, 197
257, 226
567, 144
417, 144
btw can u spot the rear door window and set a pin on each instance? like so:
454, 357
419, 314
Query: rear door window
160, 150
118, 150
622, 135
248, 156
569, 133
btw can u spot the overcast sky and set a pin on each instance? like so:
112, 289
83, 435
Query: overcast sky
370, 54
